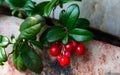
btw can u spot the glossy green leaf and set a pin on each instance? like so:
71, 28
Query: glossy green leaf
30, 32
1, 1
3, 56
39, 8
26, 4
20, 46
48, 8
70, 16
81, 35
18, 49
29, 5
14, 57
20, 64
37, 44
55, 34
65, 39
12, 40
14, 11
43, 38
17, 3
82, 23
61, 14
3, 40
32, 61
31, 21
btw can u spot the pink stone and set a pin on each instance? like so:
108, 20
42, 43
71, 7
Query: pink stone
101, 58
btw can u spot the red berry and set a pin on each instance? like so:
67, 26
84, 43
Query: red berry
59, 57
69, 47
64, 61
74, 43
54, 50
80, 49
67, 54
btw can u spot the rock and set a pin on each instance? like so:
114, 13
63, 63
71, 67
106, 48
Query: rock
101, 58
103, 15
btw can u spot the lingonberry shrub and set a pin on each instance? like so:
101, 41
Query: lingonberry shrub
65, 33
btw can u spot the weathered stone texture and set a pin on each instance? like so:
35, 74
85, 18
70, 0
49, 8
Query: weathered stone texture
101, 58
103, 14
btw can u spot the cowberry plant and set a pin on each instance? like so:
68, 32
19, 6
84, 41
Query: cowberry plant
64, 35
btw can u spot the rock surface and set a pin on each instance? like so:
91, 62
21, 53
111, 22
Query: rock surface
100, 58
103, 14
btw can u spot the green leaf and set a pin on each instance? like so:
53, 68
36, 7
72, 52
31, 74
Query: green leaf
37, 44
39, 8
70, 16
29, 5
12, 40
32, 61
17, 3
14, 57
1, 1
20, 15
61, 14
55, 34
81, 35
19, 48
43, 38
48, 8
82, 23
31, 21
65, 39
20, 64
3, 56
30, 32
3, 41
14, 11
20, 3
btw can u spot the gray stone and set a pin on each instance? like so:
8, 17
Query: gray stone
103, 15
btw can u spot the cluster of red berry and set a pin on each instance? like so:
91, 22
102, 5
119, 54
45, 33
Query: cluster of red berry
63, 52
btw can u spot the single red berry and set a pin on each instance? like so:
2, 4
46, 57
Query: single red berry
64, 61
74, 43
54, 50
69, 47
80, 49
59, 44
67, 54
59, 57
